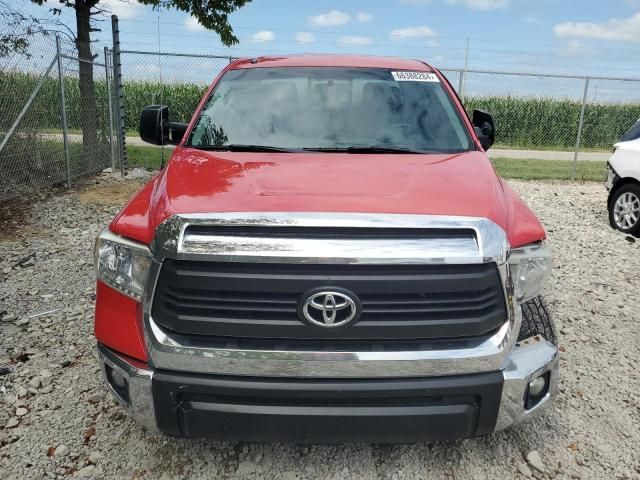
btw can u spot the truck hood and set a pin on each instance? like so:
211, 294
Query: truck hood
196, 181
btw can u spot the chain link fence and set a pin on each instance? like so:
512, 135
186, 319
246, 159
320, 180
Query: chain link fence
551, 126
45, 139
548, 126
176, 80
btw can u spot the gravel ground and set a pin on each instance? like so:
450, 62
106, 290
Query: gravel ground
56, 419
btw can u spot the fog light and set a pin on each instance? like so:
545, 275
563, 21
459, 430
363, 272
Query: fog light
118, 379
536, 390
118, 382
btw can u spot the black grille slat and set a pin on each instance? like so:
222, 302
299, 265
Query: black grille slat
399, 302
451, 309
261, 298
329, 233
430, 299
266, 307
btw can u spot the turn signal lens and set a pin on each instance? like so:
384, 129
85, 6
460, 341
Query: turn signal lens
530, 269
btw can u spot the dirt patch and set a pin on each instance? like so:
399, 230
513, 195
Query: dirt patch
13, 214
16, 216
109, 191
101, 191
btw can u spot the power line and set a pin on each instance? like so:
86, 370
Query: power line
378, 45
480, 55
378, 35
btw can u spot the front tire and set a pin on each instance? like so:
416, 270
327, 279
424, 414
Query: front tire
624, 209
536, 321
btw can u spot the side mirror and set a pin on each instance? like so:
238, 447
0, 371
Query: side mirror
156, 128
484, 127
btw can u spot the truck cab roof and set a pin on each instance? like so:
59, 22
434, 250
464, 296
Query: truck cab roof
328, 60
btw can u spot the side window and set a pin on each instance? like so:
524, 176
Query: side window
632, 134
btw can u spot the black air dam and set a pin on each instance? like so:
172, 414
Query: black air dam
326, 411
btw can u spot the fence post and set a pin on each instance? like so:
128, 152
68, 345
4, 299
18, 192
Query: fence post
580, 124
460, 83
118, 94
63, 112
107, 68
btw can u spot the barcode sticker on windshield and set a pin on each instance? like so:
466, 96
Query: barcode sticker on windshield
414, 77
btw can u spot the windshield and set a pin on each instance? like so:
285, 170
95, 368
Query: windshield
330, 108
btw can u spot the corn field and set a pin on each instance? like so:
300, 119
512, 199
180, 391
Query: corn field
549, 123
542, 123
21, 85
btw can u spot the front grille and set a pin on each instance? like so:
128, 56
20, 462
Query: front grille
260, 301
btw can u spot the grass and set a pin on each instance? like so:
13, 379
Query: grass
536, 169
525, 169
547, 148
147, 157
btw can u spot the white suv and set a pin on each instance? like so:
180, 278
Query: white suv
623, 182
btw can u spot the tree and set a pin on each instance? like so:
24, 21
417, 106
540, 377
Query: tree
212, 14
17, 28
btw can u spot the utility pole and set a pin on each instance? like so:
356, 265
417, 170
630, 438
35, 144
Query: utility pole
466, 56
464, 70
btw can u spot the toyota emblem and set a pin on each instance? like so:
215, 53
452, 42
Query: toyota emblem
329, 308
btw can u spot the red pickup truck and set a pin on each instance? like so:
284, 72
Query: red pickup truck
328, 256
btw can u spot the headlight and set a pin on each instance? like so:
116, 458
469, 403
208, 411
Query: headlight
122, 264
530, 269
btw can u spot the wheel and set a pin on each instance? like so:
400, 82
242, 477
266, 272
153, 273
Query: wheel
624, 209
536, 321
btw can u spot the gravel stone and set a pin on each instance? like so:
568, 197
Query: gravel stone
588, 296
535, 460
94, 457
47, 389
87, 472
96, 397
247, 467
61, 450
21, 411
524, 470
13, 422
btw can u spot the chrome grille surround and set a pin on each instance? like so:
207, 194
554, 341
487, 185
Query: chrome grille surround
183, 353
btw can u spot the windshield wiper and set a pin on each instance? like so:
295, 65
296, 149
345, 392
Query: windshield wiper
237, 147
366, 149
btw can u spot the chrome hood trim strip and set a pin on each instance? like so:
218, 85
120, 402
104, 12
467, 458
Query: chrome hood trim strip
490, 244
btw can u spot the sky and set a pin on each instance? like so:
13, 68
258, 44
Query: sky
581, 37
569, 36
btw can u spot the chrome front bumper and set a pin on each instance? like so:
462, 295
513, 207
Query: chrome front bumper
525, 361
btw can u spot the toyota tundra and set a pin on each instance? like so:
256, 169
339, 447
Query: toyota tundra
328, 256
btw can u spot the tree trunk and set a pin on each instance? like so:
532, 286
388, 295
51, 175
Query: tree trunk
88, 109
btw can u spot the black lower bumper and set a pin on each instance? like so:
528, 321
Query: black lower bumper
326, 411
